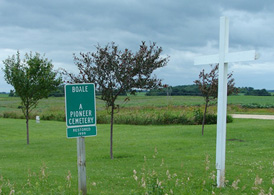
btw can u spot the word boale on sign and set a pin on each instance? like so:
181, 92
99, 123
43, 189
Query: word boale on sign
79, 89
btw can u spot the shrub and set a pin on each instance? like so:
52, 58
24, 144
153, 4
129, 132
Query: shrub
256, 105
198, 116
133, 116
15, 115
210, 118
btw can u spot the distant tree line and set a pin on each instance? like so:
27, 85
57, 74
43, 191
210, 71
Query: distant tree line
254, 92
193, 90
186, 90
180, 90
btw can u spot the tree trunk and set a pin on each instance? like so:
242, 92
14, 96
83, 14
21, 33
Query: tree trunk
111, 132
27, 123
204, 117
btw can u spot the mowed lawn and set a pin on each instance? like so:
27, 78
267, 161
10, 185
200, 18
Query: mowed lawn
171, 159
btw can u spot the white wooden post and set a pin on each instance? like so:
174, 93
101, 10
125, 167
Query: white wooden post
81, 162
223, 58
222, 102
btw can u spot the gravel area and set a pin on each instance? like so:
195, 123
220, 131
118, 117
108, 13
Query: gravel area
251, 116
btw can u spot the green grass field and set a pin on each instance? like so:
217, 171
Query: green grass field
166, 159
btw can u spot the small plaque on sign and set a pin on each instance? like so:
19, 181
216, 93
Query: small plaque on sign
86, 131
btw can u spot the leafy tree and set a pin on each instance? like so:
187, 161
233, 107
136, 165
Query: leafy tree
11, 94
115, 72
59, 92
208, 85
32, 79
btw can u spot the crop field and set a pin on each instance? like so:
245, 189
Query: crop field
3, 95
142, 101
143, 107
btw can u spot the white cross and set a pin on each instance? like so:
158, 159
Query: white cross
223, 58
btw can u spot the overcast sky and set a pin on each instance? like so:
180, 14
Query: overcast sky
184, 29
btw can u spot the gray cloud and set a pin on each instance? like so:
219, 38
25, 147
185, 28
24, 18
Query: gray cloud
184, 29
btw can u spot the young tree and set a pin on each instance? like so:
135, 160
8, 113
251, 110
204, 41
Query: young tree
11, 94
32, 79
114, 72
208, 85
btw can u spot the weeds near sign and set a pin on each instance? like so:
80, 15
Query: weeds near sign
163, 181
38, 183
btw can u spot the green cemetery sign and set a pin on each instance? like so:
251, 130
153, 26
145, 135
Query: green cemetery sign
80, 110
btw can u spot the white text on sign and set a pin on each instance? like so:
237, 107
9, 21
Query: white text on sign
80, 113
81, 121
79, 89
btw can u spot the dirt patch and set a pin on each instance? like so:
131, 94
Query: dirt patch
238, 140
